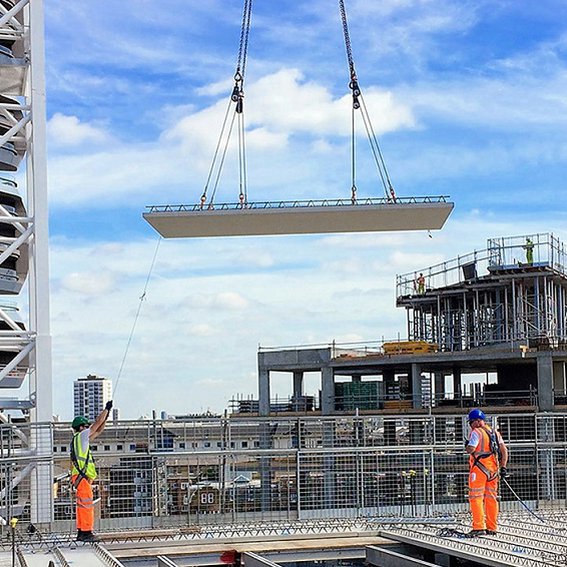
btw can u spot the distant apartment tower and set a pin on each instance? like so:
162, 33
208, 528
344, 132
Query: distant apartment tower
90, 395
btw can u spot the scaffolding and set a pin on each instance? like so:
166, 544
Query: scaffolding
513, 291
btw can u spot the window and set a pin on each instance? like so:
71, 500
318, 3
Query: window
182, 445
119, 447
207, 444
55, 449
244, 444
107, 447
94, 448
132, 447
64, 449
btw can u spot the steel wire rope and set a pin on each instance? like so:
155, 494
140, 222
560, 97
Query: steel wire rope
223, 157
368, 128
241, 71
237, 96
242, 161
244, 34
142, 297
358, 103
379, 158
353, 156
215, 155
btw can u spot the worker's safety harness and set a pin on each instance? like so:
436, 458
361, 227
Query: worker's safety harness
494, 447
81, 470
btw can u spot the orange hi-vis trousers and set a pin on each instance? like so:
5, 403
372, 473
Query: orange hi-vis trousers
85, 504
483, 500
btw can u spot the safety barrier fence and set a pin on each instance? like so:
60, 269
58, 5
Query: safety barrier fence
186, 474
527, 251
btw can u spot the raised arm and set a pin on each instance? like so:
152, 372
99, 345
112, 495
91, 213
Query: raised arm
97, 426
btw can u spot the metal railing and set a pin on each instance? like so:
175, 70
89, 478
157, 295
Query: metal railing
372, 396
500, 253
295, 204
189, 474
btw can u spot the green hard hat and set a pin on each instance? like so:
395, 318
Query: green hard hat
78, 421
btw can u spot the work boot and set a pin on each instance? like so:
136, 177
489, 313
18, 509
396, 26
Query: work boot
87, 536
476, 533
491, 532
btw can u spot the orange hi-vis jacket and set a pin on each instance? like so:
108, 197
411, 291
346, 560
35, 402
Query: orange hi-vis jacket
483, 457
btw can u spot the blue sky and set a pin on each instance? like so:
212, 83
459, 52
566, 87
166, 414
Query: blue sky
468, 99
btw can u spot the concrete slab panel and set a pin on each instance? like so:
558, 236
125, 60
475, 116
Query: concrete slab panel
192, 222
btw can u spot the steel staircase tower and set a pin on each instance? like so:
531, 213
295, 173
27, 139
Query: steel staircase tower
25, 342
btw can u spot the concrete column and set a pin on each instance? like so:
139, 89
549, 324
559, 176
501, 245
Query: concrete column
457, 389
389, 381
416, 392
439, 381
297, 384
264, 391
327, 391
559, 381
545, 381
297, 401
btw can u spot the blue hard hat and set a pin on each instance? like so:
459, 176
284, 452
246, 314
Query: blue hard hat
476, 414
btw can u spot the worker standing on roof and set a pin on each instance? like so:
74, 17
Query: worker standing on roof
83, 470
420, 284
529, 248
488, 460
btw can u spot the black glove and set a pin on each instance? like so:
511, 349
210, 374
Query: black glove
503, 472
108, 406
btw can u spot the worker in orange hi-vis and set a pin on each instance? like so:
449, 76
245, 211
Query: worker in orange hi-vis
83, 470
488, 460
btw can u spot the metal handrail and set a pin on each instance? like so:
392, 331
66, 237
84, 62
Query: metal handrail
294, 204
500, 253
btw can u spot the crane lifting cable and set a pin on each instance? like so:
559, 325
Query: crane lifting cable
236, 100
359, 104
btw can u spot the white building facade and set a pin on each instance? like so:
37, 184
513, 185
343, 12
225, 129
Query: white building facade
90, 395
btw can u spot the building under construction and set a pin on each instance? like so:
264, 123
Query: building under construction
486, 329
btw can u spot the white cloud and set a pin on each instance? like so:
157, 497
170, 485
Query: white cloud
70, 131
230, 300
315, 111
202, 330
179, 159
86, 283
